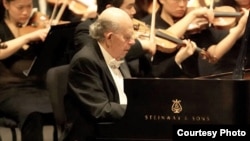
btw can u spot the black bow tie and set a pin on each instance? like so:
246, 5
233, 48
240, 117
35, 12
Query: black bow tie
114, 64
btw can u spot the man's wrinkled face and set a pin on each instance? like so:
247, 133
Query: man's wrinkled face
121, 41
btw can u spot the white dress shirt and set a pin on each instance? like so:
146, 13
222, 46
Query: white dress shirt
113, 66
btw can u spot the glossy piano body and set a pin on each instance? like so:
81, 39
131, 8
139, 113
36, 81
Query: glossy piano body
155, 105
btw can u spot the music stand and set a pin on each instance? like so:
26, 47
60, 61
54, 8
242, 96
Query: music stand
57, 50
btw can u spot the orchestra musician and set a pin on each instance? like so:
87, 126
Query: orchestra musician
227, 62
23, 98
172, 15
178, 61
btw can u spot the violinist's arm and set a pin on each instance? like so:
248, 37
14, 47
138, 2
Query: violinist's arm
14, 45
185, 52
148, 46
217, 51
180, 27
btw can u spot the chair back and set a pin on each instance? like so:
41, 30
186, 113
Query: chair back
56, 81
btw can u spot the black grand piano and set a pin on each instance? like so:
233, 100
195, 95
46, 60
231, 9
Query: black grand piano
156, 106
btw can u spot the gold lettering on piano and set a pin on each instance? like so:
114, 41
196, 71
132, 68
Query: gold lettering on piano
161, 117
195, 118
176, 115
200, 118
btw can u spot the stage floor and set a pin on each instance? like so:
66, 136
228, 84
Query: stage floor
6, 134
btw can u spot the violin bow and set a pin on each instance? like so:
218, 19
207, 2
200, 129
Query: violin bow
211, 7
152, 27
59, 15
53, 12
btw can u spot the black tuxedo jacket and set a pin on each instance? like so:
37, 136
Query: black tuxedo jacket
92, 94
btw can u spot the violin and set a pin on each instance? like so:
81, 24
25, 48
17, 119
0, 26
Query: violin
79, 7
177, 43
142, 31
35, 22
225, 18
85, 8
165, 41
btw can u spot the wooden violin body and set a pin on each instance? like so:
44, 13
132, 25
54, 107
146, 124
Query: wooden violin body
85, 8
165, 41
77, 7
36, 21
225, 18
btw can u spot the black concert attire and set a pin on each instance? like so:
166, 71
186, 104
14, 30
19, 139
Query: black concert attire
212, 36
23, 98
163, 64
92, 93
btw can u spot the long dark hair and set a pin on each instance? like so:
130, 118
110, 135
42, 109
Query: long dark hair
101, 4
2, 9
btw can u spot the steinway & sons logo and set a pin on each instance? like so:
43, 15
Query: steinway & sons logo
176, 109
